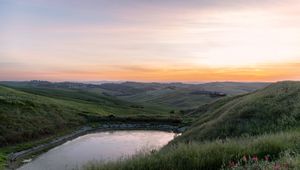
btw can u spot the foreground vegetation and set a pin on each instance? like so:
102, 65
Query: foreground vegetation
261, 151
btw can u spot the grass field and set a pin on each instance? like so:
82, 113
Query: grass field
272, 109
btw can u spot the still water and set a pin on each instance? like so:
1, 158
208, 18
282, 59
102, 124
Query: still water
100, 146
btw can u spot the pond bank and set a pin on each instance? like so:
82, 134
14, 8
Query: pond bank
15, 159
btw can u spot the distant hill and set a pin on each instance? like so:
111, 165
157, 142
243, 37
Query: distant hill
167, 96
185, 96
272, 109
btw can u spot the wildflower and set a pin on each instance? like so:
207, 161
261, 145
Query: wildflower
277, 166
255, 158
267, 158
231, 164
245, 158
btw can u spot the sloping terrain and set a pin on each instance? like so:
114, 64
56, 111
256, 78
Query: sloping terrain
29, 113
166, 96
272, 109
25, 116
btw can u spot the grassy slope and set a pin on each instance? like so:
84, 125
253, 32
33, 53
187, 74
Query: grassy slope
26, 117
274, 109
26, 114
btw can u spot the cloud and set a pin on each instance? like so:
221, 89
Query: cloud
150, 39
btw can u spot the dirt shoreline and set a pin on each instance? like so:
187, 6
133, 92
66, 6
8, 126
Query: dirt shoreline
15, 159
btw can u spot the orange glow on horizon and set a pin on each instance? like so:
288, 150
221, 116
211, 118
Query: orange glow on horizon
266, 73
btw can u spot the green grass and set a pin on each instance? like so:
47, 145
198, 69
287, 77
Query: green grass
91, 101
25, 116
210, 155
31, 113
2, 160
272, 109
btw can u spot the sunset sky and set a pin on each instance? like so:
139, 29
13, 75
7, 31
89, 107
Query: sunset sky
150, 40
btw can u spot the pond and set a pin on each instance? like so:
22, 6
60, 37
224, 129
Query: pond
99, 146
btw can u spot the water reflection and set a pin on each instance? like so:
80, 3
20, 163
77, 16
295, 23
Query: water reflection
101, 146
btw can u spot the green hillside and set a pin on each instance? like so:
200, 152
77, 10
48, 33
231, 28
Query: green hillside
26, 116
29, 113
272, 109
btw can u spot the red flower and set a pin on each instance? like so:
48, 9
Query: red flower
277, 166
267, 158
255, 158
231, 164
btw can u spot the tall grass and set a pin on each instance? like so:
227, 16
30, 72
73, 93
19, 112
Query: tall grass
209, 155
2, 160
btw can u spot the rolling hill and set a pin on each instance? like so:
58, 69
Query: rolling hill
28, 113
274, 108
167, 96
181, 96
